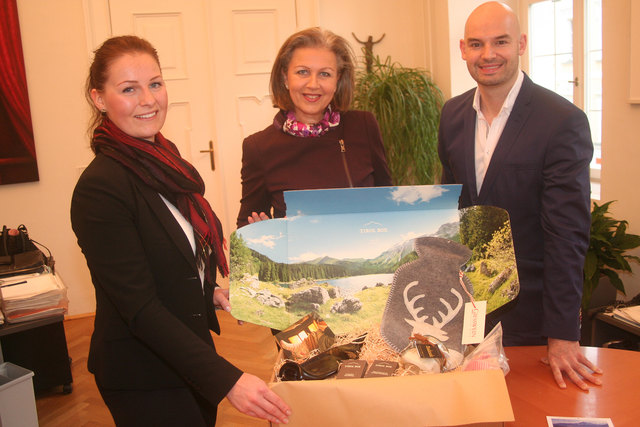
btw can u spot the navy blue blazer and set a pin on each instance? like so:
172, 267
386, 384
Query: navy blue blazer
539, 173
153, 320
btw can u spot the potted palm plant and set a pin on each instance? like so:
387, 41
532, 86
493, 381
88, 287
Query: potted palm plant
407, 106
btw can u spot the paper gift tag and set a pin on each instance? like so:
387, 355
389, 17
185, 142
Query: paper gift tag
473, 326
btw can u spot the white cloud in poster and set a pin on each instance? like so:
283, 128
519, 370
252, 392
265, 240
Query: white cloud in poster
266, 240
411, 195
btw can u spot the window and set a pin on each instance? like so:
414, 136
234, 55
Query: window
565, 55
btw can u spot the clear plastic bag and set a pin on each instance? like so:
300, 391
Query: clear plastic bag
489, 354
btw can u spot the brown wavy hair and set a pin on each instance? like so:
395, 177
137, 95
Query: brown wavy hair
104, 56
317, 38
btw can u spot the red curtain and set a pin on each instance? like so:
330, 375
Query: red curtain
13, 84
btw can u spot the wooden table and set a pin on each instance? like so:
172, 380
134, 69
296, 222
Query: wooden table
534, 393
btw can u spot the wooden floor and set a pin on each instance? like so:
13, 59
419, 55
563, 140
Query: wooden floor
249, 347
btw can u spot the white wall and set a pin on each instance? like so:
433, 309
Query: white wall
55, 55
401, 20
459, 10
620, 125
412, 29
56, 59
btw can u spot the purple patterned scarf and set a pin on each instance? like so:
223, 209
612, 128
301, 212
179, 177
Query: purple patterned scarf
296, 128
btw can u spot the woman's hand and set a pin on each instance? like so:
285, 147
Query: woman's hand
255, 217
251, 396
221, 299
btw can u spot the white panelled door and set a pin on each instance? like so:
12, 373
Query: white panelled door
216, 58
246, 38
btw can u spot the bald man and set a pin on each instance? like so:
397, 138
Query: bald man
518, 146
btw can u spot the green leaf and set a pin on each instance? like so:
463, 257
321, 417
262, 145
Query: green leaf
606, 254
615, 280
590, 265
407, 105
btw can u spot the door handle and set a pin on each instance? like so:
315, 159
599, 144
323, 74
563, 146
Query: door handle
211, 155
575, 82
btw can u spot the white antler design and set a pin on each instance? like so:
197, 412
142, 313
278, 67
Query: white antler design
419, 323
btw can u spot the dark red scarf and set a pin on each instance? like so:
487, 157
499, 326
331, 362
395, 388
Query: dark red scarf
160, 166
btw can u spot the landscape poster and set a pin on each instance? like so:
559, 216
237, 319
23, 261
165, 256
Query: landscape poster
338, 250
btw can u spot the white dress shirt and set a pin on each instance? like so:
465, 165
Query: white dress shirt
188, 231
487, 135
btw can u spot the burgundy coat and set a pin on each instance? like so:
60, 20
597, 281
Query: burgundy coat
273, 162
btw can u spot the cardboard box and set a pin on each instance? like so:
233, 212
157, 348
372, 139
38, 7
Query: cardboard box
456, 398
403, 259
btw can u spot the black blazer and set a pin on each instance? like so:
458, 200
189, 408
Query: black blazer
539, 173
152, 320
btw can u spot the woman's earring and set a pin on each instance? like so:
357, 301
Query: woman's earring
103, 111
286, 86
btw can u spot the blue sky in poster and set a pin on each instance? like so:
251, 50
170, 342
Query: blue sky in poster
372, 199
368, 222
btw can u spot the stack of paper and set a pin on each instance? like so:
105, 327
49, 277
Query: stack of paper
32, 297
628, 314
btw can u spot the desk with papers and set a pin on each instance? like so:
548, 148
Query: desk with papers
607, 327
33, 335
32, 296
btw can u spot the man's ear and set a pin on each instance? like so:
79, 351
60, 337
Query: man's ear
97, 99
463, 47
522, 44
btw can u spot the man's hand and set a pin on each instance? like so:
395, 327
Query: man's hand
251, 396
565, 357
